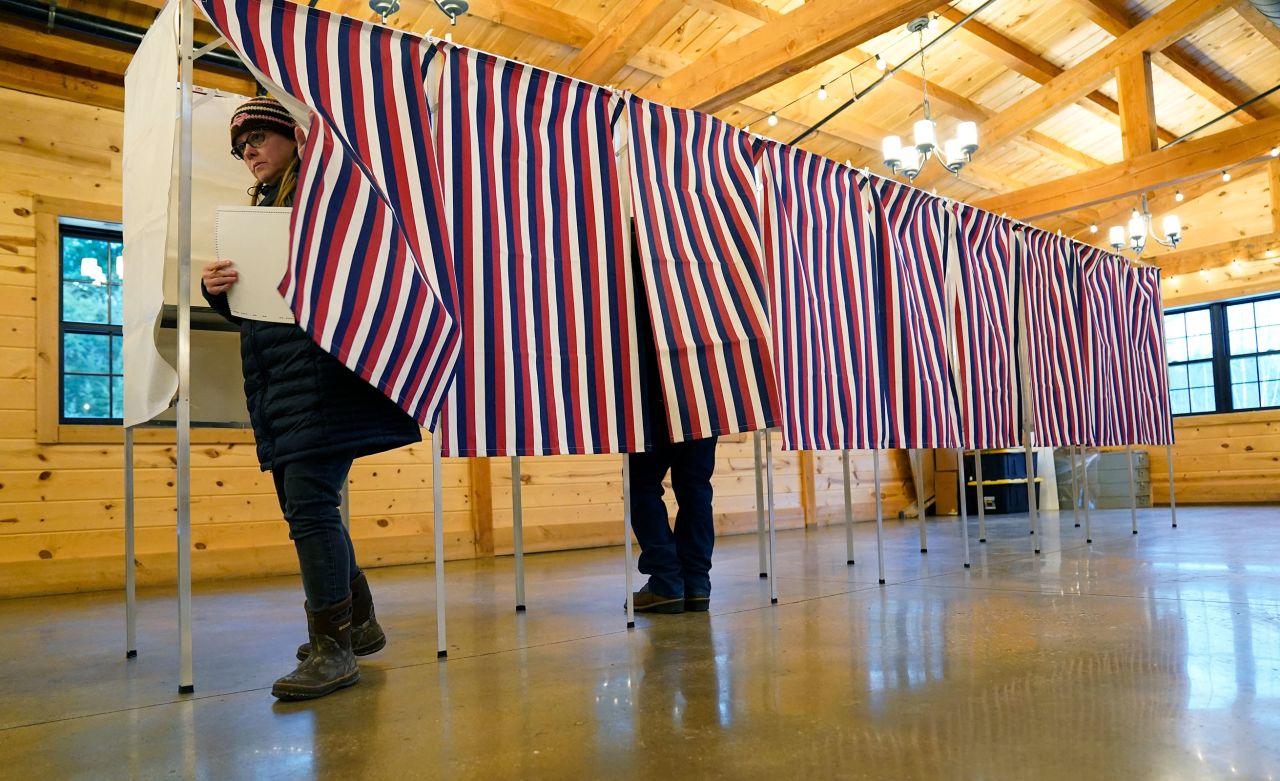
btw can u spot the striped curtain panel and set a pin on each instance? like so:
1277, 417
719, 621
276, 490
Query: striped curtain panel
548, 361
697, 221
1152, 416
369, 276
1107, 347
987, 367
818, 247
917, 257
1053, 309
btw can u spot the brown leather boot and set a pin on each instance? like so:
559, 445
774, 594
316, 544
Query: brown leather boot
367, 636
331, 665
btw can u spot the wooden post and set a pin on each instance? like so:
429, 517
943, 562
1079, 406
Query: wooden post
808, 493
481, 495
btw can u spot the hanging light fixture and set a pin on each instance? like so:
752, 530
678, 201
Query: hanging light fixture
954, 152
1140, 228
822, 92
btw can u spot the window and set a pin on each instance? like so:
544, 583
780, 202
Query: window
90, 333
1224, 357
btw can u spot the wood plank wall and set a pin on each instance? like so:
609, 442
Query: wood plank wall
61, 506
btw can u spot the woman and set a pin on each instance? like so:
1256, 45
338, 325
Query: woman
311, 417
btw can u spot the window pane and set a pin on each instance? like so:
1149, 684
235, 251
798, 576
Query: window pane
1239, 317
117, 355
1174, 326
1202, 400
86, 397
1199, 347
1269, 367
1177, 349
1268, 338
1244, 370
117, 262
1269, 394
1244, 396
117, 397
84, 302
1243, 342
116, 293
1198, 323
1267, 312
89, 353
1177, 377
1180, 402
1200, 375
76, 250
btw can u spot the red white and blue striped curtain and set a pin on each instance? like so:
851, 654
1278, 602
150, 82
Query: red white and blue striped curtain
698, 228
987, 365
1053, 301
369, 273
547, 307
1107, 347
917, 263
1152, 416
817, 238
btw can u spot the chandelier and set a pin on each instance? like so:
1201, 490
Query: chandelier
1140, 227
955, 152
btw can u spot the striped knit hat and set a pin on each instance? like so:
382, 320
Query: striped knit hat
262, 112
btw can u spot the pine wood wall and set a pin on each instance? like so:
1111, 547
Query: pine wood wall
61, 505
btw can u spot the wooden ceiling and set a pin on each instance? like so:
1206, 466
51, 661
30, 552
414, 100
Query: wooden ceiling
1078, 101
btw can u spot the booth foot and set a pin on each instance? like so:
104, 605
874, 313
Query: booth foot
187, 689
131, 654
442, 654
773, 600
849, 562
1135, 531
924, 550
519, 608
882, 581
631, 625
984, 539
764, 576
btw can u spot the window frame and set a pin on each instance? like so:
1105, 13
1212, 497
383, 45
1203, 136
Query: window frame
1221, 360
66, 327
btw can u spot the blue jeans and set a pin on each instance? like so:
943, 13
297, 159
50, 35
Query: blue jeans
678, 562
310, 493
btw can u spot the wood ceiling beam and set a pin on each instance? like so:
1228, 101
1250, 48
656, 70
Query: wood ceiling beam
1166, 167
1156, 32
1273, 184
622, 33
1178, 60
1137, 106
1193, 260
813, 33
1259, 22
1018, 58
535, 18
37, 80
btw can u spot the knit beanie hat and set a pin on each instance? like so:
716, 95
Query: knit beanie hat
262, 112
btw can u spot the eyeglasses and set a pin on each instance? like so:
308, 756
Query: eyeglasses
255, 139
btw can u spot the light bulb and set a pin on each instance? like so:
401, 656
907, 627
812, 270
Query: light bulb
1177, 196
892, 149
1226, 176
952, 151
880, 63
1137, 226
773, 118
967, 135
1093, 227
1116, 236
1275, 151
910, 161
925, 134
1172, 225
822, 92
933, 23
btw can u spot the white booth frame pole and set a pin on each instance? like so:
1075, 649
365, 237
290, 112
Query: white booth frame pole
879, 516
912, 456
773, 531
1075, 490
1031, 489
982, 498
848, 508
130, 575
517, 530
437, 521
964, 510
186, 678
1133, 492
1084, 494
626, 539
1173, 500
757, 438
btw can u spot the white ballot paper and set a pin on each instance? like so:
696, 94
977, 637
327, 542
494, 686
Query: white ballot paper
256, 240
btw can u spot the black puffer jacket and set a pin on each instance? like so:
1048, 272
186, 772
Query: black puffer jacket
303, 403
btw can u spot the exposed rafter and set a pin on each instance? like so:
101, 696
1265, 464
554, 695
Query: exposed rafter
1259, 22
622, 33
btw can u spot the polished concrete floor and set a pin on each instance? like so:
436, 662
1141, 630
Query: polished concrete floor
1147, 657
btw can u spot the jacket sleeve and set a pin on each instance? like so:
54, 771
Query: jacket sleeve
219, 304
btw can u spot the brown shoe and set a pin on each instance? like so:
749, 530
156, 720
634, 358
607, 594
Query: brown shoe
647, 601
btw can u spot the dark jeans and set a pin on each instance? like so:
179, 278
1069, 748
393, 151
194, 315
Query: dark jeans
310, 493
677, 562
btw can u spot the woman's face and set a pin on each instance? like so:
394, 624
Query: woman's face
267, 160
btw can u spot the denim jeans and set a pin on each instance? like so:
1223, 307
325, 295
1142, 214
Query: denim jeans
677, 561
310, 493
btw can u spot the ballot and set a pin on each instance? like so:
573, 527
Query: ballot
256, 240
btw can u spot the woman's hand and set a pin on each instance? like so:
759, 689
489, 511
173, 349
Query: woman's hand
218, 276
